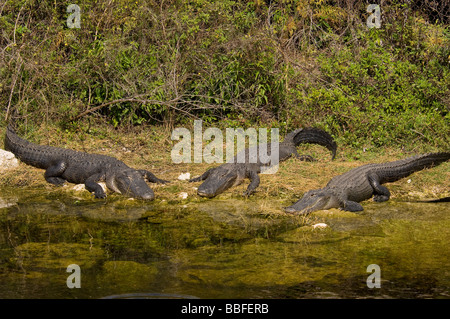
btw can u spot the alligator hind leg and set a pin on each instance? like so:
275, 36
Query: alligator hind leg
381, 193
54, 172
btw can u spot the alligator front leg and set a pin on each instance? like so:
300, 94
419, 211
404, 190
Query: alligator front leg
254, 182
381, 193
54, 172
351, 206
151, 177
93, 187
202, 177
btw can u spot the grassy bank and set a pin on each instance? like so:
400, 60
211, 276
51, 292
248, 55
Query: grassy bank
135, 70
150, 149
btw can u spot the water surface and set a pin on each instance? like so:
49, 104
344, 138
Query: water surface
219, 248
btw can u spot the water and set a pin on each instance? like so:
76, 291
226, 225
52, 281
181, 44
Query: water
219, 248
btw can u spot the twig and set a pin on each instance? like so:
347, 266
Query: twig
16, 75
134, 99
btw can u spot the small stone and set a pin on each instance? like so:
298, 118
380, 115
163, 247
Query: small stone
79, 187
183, 195
319, 225
184, 176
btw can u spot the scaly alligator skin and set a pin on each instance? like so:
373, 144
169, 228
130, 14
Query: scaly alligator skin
225, 176
347, 190
78, 167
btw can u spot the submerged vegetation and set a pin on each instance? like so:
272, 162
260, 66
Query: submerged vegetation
285, 63
135, 69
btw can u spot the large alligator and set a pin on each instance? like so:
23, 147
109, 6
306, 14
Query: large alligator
225, 176
347, 190
79, 167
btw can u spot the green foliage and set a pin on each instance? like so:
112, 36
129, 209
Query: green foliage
287, 63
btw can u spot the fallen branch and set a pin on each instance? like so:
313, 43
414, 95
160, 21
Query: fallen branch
134, 99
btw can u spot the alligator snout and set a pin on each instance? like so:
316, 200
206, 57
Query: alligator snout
290, 210
147, 196
204, 193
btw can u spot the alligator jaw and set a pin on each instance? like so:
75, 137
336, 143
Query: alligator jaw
218, 181
205, 194
312, 201
131, 183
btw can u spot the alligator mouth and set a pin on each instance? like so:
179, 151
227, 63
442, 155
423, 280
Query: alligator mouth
298, 211
146, 196
311, 201
131, 184
290, 210
205, 194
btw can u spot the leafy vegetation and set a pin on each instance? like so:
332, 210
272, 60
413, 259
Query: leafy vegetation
286, 63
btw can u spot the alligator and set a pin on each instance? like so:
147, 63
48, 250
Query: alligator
79, 167
218, 179
347, 190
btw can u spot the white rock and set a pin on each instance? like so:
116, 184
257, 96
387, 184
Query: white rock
7, 202
184, 176
319, 225
7, 160
81, 187
183, 195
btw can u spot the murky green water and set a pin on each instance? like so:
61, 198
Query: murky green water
232, 248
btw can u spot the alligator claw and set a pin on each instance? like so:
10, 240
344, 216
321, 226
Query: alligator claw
100, 195
247, 193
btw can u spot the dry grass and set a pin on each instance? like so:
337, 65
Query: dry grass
150, 149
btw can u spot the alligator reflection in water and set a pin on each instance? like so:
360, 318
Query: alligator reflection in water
221, 249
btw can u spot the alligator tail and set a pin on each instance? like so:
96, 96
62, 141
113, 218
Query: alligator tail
27, 152
439, 200
313, 135
393, 171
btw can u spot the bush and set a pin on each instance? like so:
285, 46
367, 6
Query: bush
237, 63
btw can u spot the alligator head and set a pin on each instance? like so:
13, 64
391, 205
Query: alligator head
130, 182
218, 181
312, 201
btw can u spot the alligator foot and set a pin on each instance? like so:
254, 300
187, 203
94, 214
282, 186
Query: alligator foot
306, 158
201, 177
351, 206
151, 177
55, 180
98, 194
380, 198
247, 193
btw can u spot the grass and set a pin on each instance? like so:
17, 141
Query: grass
150, 148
